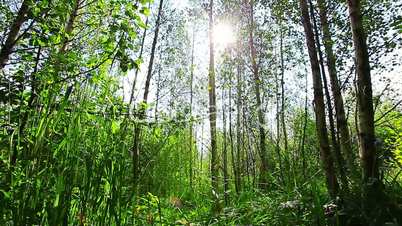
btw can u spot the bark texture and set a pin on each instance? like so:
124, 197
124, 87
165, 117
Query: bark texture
15, 27
322, 133
334, 138
341, 122
212, 111
372, 186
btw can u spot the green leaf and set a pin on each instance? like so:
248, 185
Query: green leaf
56, 201
140, 23
145, 11
6, 194
106, 187
137, 63
115, 127
144, 106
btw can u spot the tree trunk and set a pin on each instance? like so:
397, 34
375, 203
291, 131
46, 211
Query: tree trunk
202, 149
153, 48
244, 157
132, 97
342, 124
63, 48
224, 154
158, 90
15, 27
278, 126
283, 104
237, 168
212, 111
70, 26
142, 110
257, 82
371, 188
191, 110
250, 158
303, 138
335, 144
231, 139
322, 133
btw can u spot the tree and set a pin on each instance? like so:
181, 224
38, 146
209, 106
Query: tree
368, 152
224, 153
239, 91
212, 110
237, 167
137, 69
322, 133
74, 135
191, 133
334, 137
143, 106
342, 124
12, 36
263, 183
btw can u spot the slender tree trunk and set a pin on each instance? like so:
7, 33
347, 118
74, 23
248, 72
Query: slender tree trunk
250, 159
263, 183
283, 103
303, 139
212, 111
224, 154
322, 133
335, 144
278, 127
202, 150
191, 110
244, 162
158, 82
244, 157
153, 48
368, 153
132, 97
342, 124
142, 110
70, 26
15, 27
237, 168
231, 138
158, 90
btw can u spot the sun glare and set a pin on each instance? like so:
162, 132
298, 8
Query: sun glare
223, 35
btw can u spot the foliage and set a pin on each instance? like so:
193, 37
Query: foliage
67, 129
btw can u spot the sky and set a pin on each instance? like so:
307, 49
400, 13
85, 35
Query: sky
180, 4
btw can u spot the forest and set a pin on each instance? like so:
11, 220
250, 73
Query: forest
201, 112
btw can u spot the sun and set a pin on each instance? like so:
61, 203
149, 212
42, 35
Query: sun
223, 35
